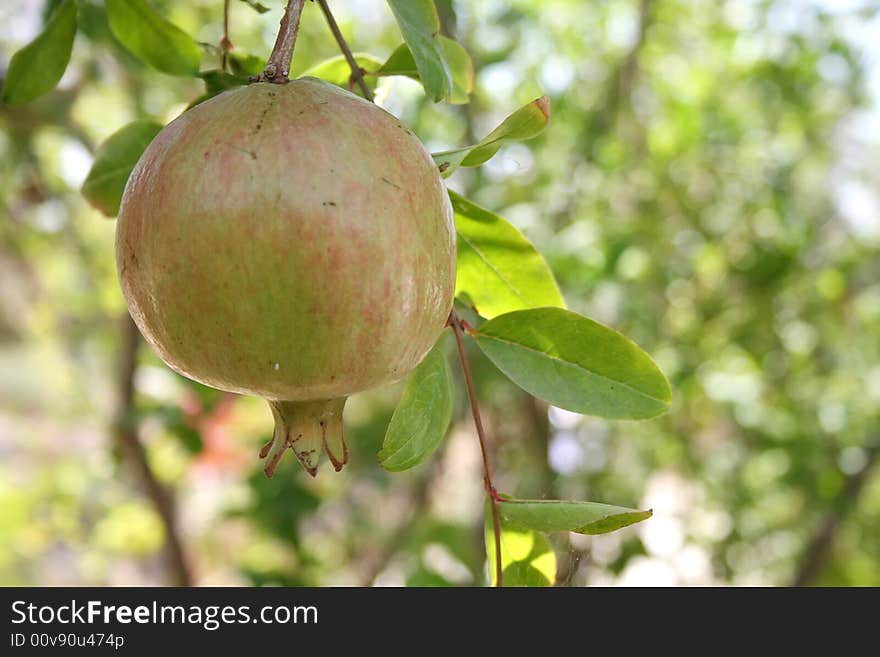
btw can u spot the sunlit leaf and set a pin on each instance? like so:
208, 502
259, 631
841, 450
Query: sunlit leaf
525, 123
562, 515
420, 26
461, 69
36, 69
337, 70
153, 39
498, 269
575, 363
422, 415
527, 558
114, 161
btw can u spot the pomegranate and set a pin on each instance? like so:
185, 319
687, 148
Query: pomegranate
289, 241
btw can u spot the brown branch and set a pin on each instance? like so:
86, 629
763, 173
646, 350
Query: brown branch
225, 43
278, 65
819, 549
418, 497
625, 76
457, 327
357, 72
129, 441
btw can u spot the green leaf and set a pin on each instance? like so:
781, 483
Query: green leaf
337, 71
152, 39
525, 123
498, 269
575, 363
246, 65
400, 62
256, 6
36, 69
420, 26
565, 516
461, 69
527, 558
216, 82
422, 415
114, 161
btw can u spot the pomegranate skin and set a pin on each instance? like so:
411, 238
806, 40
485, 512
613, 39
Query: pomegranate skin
293, 242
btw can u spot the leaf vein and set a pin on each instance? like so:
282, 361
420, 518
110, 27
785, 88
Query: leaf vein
575, 365
494, 269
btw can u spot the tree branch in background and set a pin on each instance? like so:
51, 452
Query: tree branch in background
357, 73
819, 549
418, 496
602, 119
278, 65
623, 79
128, 438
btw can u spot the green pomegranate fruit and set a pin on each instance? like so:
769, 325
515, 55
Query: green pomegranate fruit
290, 241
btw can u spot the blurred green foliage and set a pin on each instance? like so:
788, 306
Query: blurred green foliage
708, 186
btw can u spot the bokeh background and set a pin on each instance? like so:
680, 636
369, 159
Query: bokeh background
708, 185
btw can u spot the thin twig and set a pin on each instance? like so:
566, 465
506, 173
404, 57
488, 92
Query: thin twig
457, 327
225, 43
278, 65
128, 437
356, 72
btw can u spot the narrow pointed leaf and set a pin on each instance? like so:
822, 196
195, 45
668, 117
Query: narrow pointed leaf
400, 62
527, 558
337, 71
461, 69
114, 161
575, 363
498, 269
525, 123
563, 515
153, 39
420, 26
245, 64
422, 415
36, 69
217, 81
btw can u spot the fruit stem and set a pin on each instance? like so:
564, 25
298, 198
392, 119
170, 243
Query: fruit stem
357, 73
278, 65
458, 326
